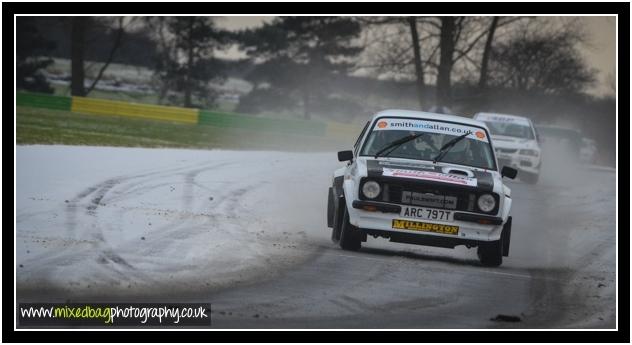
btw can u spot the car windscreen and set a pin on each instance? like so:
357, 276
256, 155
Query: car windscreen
475, 150
510, 130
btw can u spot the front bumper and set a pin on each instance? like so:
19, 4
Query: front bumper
520, 162
378, 218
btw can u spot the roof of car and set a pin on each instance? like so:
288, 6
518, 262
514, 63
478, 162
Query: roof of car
502, 115
429, 116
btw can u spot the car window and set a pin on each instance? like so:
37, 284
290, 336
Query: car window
510, 130
355, 146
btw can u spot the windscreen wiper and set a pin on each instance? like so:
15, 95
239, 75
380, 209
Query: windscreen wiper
397, 143
448, 146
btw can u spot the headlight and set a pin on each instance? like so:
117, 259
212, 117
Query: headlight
371, 189
486, 202
528, 152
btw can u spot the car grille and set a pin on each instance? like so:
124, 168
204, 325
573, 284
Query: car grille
465, 200
506, 150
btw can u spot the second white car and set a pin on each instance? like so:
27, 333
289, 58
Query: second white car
516, 142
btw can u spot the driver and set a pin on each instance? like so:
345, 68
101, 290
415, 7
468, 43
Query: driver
459, 154
424, 147
412, 148
381, 139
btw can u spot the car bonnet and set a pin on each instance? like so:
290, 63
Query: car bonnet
429, 173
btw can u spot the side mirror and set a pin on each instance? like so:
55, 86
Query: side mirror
509, 172
344, 156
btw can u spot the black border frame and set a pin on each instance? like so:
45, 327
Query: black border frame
621, 335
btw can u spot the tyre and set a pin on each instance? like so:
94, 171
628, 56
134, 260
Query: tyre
335, 230
491, 253
350, 238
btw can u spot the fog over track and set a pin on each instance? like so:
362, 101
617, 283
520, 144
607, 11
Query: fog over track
246, 231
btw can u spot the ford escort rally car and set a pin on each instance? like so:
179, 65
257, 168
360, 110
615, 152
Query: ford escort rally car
516, 142
422, 178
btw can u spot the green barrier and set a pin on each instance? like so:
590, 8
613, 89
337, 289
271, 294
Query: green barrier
289, 126
42, 100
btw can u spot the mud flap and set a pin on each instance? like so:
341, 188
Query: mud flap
337, 218
506, 235
330, 208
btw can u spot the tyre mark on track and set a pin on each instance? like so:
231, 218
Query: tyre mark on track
97, 193
227, 205
100, 193
190, 182
102, 188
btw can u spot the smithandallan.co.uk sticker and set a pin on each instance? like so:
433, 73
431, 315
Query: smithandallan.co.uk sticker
430, 176
476, 133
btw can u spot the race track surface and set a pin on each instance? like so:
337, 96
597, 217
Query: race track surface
246, 232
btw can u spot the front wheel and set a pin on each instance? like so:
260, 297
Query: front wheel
490, 253
350, 238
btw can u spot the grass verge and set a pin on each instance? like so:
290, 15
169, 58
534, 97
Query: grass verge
43, 126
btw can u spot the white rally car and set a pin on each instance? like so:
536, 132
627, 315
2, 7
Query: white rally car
516, 142
422, 178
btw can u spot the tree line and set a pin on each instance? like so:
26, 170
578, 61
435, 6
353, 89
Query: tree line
294, 62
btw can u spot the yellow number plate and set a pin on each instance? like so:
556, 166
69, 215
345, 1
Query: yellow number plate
428, 227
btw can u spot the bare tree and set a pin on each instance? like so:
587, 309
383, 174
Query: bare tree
167, 53
459, 37
446, 60
400, 48
496, 23
120, 30
419, 71
32, 52
543, 60
431, 49
482, 81
186, 64
79, 27
77, 32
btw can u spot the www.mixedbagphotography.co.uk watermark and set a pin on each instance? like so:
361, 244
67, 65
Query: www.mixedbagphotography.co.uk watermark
113, 315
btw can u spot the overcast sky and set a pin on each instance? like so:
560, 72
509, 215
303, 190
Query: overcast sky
600, 54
